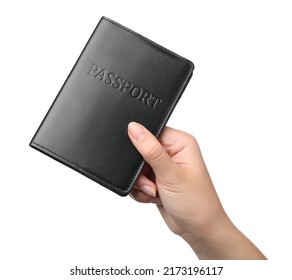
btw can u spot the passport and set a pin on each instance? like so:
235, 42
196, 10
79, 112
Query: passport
119, 77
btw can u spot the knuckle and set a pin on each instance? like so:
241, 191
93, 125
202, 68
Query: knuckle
191, 138
154, 153
192, 141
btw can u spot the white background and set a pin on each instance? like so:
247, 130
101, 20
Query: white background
237, 105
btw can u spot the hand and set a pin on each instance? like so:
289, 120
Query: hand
176, 179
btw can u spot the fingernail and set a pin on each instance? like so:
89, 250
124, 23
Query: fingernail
148, 190
136, 131
155, 200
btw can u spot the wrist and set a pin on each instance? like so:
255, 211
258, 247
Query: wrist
223, 241
206, 242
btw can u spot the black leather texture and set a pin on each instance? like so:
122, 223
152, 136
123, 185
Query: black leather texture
119, 77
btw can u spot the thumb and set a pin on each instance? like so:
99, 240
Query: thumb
152, 151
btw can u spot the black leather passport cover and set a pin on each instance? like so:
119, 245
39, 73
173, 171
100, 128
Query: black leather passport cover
119, 77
